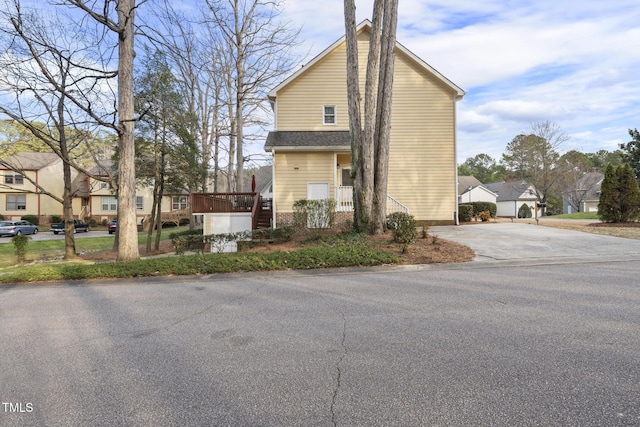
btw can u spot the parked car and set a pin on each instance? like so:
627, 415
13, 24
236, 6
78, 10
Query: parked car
15, 228
78, 226
112, 226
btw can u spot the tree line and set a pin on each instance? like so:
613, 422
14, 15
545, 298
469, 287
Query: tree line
537, 156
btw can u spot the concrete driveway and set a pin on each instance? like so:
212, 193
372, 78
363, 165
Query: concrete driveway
528, 242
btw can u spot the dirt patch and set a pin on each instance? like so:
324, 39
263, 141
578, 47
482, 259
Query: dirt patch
427, 250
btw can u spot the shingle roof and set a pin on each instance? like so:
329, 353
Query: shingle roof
308, 139
466, 181
30, 161
511, 190
590, 183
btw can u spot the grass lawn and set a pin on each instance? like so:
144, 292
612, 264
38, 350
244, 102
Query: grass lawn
48, 249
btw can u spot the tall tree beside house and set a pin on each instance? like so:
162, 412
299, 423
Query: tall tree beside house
535, 157
370, 138
258, 46
159, 109
117, 18
46, 78
631, 152
619, 195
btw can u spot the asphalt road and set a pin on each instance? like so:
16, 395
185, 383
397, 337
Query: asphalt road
474, 344
48, 235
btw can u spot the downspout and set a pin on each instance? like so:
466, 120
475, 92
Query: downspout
455, 161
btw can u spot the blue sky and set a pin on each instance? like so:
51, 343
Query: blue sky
576, 64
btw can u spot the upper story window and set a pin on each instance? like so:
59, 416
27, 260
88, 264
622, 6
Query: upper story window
103, 185
13, 179
329, 114
139, 203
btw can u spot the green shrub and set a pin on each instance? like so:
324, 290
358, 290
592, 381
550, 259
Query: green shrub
465, 212
619, 195
314, 214
479, 207
1, 217
55, 219
20, 242
92, 222
402, 226
524, 211
33, 219
284, 232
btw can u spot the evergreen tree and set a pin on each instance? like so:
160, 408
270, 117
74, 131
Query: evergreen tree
608, 206
629, 193
631, 152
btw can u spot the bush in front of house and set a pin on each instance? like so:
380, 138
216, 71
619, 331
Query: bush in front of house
524, 211
33, 219
402, 226
479, 207
465, 212
314, 214
56, 219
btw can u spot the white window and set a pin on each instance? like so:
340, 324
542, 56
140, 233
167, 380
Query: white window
179, 202
16, 202
329, 114
139, 203
110, 203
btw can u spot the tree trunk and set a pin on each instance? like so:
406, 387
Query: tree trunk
361, 211
383, 116
127, 227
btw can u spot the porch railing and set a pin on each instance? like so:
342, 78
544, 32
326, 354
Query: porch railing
344, 201
223, 202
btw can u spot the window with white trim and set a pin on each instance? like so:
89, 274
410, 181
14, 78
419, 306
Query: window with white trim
109, 204
16, 202
329, 114
178, 202
139, 203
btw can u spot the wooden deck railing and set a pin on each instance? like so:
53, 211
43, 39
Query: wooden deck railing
223, 202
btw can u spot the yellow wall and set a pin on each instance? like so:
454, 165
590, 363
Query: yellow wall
422, 150
295, 170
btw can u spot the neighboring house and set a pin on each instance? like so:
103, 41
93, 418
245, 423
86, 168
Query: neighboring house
103, 202
311, 145
19, 196
585, 195
472, 190
511, 195
263, 182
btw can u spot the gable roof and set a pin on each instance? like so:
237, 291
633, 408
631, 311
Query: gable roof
466, 181
263, 179
511, 190
309, 140
366, 25
30, 161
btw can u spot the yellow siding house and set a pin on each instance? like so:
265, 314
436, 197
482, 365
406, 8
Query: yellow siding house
311, 145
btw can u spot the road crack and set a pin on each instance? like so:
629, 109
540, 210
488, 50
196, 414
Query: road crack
343, 354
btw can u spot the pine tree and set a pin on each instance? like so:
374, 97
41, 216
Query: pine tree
629, 193
608, 206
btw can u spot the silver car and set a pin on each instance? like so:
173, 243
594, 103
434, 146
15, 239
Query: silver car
15, 228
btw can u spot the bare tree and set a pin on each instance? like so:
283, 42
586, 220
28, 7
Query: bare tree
259, 46
120, 22
535, 157
370, 153
49, 83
